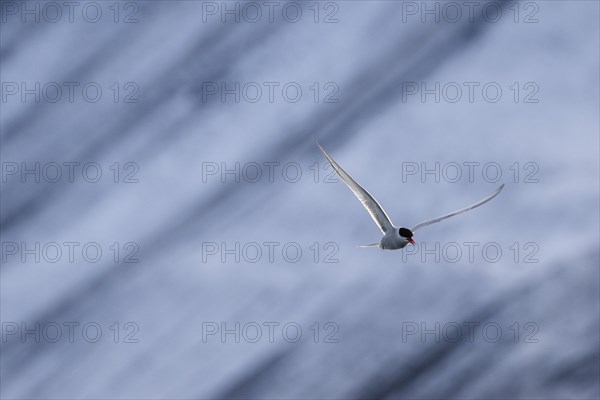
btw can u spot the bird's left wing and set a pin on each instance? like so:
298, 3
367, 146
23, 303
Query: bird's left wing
372, 206
462, 210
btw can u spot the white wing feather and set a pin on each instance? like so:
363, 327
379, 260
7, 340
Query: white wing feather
368, 201
462, 210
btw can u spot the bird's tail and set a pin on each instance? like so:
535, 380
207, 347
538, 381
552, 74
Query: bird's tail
369, 245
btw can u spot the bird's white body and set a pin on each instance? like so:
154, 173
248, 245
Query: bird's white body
394, 238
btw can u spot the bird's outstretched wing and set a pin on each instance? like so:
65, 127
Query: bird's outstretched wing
372, 206
462, 210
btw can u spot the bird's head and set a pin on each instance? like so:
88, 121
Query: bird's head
407, 234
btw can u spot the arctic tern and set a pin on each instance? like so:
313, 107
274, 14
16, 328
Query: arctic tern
393, 237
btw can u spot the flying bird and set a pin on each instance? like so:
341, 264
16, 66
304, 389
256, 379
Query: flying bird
393, 237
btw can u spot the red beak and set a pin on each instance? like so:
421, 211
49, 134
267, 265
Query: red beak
412, 242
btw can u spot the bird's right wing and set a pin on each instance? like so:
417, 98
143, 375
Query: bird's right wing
462, 210
372, 206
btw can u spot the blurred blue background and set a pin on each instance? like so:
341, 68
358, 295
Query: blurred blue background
229, 266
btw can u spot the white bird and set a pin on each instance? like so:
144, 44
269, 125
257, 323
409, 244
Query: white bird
393, 237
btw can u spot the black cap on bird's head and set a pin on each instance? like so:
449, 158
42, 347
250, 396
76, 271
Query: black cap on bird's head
407, 234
